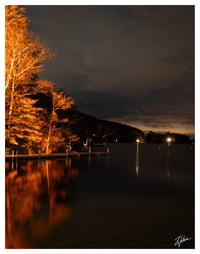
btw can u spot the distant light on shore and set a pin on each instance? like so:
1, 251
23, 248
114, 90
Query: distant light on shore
169, 140
137, 140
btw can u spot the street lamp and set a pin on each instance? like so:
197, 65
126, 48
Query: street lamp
169, 140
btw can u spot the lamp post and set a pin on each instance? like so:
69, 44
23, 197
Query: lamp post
169, 140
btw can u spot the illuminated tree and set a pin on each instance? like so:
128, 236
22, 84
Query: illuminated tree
26, 124
24, 57
60, 101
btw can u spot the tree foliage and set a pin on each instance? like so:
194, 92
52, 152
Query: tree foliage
55, 137
24, 54
26, 124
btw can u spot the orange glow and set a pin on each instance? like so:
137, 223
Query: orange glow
23, 60
23, 199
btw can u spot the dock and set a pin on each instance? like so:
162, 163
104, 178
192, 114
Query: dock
55, 155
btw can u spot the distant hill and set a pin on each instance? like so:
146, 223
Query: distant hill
99, 131
90, 127
153, 137
86, 126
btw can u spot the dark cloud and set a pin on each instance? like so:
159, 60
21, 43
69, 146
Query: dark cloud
133, 64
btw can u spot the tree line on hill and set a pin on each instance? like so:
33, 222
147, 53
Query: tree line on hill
153, 137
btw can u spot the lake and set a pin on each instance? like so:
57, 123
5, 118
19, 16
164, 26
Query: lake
139, 196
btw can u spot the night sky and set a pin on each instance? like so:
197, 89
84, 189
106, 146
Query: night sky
129, 64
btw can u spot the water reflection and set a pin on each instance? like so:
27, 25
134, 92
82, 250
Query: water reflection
39, 195
37, 198
168, 161
107, 161
89, 160
12, 164
137, 159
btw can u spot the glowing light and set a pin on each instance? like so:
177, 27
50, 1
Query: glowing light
169, 140
137, 140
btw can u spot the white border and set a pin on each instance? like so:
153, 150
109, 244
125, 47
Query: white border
197, 124
102, 2
2, 127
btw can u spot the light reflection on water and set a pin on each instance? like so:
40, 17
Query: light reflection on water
92, 202
168, 161
137, 159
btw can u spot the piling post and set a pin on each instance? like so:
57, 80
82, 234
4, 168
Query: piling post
107, 157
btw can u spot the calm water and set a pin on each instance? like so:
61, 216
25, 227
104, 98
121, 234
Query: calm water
134, 198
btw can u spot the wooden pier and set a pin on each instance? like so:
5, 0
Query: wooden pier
55, 155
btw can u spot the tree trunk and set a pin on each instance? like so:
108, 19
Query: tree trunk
50, 124
11, 108
49, 136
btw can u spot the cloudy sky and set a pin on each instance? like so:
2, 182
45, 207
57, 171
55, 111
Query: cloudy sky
130, 64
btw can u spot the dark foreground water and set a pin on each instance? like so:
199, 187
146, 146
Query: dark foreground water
130, 199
